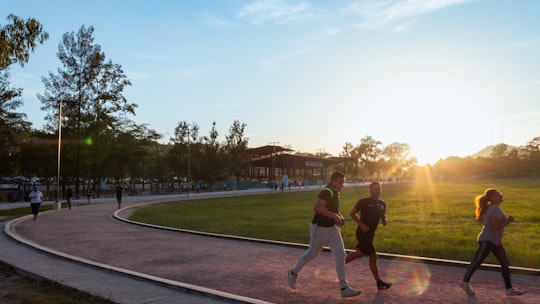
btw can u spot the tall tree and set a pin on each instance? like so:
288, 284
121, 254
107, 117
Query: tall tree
184, 155
18, 39
397, 159
214, 169
13, 126
350, 152
91, 90
236, 150
369, 153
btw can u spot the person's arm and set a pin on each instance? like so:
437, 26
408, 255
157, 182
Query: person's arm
500, 223
384, 219
357, 220
320, 208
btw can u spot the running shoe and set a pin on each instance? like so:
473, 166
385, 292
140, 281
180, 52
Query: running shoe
383, 285
514, 292
347, 292
292, 279
465, 286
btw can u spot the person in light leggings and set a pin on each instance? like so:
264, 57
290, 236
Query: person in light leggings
324, 229
488, 212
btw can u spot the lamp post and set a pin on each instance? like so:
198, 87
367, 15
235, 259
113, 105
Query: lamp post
274, 160
190, 128
57, 204
188, 163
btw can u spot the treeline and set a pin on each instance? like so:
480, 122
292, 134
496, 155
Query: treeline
503, 162
88, 114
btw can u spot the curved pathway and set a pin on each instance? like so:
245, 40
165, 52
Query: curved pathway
245, 271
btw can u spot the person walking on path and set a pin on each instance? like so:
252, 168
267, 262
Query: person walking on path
325, 229
89, 194
489, 213
119, 190
36, 198
372, 210
69, 196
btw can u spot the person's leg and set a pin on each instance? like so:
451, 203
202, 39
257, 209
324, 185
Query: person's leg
483, 250
317, 240
338, 249
356, 254
373, 266
500, 253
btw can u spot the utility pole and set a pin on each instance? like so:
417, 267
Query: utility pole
274, 160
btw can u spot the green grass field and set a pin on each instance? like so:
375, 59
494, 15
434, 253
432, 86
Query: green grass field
424, 219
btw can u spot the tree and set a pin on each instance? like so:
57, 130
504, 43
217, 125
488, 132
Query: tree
18, 39
185, 150
369, 153
213, 169
350, 152
397, 159
499, 151
236, 151
533, 155
91, 90
13, 127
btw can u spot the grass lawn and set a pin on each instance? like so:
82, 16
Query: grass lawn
424, 219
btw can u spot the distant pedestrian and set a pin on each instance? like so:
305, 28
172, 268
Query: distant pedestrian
324, 229
89, 194
372, 210
119, 190
36, 198
69, 196
489, 213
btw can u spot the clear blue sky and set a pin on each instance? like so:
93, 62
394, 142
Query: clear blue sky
447, 77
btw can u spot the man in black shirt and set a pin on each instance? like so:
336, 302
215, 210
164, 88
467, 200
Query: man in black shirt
372, 210
324, 229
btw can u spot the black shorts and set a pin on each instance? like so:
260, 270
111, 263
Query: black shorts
35, 208
365, 242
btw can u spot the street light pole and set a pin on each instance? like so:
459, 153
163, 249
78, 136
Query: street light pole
274, 160
188, 163
57, 204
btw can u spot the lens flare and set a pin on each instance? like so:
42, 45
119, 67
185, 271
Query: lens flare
410, 277
88, 141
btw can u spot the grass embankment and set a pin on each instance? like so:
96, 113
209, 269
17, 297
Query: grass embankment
424, 219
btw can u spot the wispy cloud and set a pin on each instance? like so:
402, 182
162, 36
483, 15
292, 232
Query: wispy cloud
378, 13
331, 31
217, 21
273, 11
272, 63
398, 15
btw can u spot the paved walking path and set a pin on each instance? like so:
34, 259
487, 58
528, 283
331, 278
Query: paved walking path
132, 263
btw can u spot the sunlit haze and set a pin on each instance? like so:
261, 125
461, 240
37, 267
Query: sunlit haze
447, 77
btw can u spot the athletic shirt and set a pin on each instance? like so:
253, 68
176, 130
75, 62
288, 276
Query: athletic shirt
35, 197
371, 211
331, 197
488, 233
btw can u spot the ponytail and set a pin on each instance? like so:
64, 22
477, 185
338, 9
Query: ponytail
482, 203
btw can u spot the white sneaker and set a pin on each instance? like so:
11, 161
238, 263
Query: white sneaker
465, 286
514, 292
292, 278
347, 292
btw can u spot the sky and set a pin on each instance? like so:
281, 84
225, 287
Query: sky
446, 77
